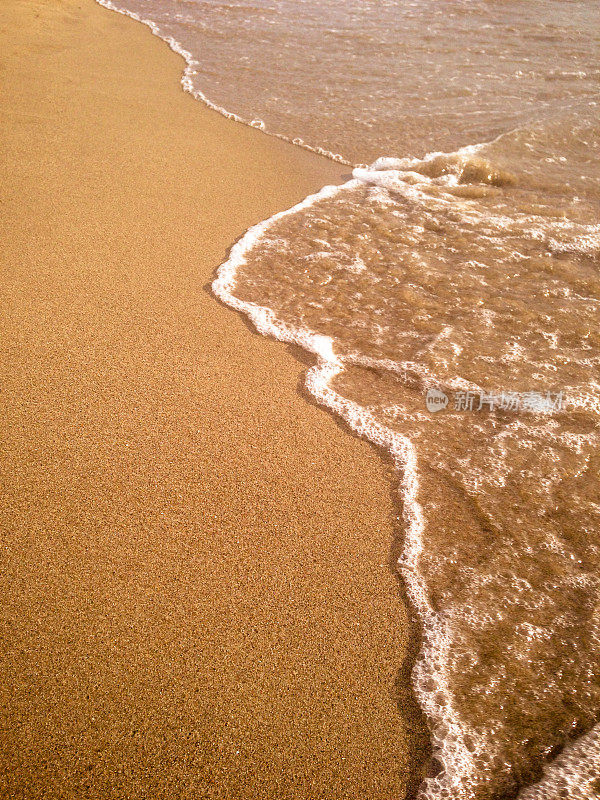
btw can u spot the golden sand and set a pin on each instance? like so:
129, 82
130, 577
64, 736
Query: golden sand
196, 595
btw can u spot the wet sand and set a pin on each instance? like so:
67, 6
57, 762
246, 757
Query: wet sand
196, 593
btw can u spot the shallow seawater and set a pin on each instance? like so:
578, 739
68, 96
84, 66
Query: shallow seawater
366, 78
451, 294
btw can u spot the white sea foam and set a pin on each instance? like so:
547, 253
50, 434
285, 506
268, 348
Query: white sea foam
573, 774
430, 673
454, 745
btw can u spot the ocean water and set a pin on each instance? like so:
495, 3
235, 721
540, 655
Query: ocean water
450, 293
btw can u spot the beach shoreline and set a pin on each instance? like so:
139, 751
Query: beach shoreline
198, 599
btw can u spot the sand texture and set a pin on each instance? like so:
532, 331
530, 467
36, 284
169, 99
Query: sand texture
196, 593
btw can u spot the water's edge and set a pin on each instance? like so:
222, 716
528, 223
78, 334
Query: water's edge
448, 734
187, 85
450, 750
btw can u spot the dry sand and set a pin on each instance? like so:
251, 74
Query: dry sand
196, 597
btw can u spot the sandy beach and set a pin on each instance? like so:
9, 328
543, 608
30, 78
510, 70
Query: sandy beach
197, 600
